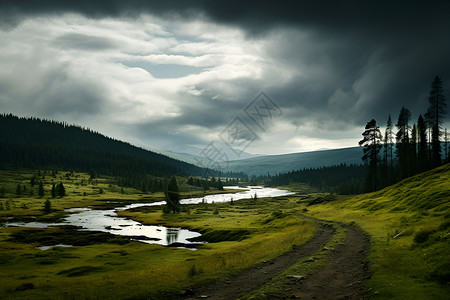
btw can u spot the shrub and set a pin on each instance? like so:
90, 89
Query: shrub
194, 271
422, 236
47, 206
166, 209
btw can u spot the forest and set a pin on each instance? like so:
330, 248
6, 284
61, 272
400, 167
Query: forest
388, 158
417, 148
43, 144
51, 145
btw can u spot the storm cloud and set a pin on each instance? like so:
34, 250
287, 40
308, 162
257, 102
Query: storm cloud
172, 74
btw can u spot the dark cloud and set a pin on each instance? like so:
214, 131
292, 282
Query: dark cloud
257, 15
356, 60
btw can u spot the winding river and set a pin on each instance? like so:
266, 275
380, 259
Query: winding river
108, 220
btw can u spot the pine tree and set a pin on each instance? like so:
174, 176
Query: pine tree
422, 156
435, 115
47, 206
372, 144
413, 150
61, 190
388, 143
390, 138
403, 146
446, 150
220, 185
173, 195
53, 191
18, 190
41, 191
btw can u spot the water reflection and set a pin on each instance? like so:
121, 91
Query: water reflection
171, 235
108, 220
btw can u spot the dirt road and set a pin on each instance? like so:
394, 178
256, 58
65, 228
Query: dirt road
342, 277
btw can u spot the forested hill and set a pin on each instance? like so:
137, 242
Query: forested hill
36, 143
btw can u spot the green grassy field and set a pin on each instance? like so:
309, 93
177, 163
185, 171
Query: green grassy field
104, 266
409, 225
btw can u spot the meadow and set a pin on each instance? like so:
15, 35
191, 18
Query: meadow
408, 224
409, 228
101, 265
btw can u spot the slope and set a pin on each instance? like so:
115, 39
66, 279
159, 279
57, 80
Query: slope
409, 223
36, 143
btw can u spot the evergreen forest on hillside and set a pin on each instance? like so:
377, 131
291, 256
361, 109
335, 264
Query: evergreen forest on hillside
42, 144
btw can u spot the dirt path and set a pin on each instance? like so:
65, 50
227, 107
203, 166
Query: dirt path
343, 276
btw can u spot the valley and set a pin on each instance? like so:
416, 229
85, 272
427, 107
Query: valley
242, 235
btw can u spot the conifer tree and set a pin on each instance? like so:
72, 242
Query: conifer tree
413, 149
18, 190
389, 138
372, 144
53, 191
446, 150
435, 115
61, 190
173, 195
387, 152
47, 206
220, 185
41, 191
422, 156
403, 146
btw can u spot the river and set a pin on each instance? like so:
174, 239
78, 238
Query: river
108, 221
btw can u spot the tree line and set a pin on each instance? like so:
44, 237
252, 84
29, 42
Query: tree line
38, 144
410, 149
341, 179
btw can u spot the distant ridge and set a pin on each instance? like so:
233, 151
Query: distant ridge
275, 164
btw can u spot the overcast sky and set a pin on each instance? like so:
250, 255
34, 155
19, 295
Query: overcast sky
175, 75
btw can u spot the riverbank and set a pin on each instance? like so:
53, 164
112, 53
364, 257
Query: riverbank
100, 265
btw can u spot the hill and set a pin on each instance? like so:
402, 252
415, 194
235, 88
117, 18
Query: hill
36, 143
410, 229
275, 164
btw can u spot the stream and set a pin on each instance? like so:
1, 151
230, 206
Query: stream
108, 221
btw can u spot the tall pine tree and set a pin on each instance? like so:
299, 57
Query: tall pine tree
173, 195
388, 158
413, 150
372, 144
422, 155
446, 150
41, 191
435, 115
403, 147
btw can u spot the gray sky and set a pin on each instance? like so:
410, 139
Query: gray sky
176, 75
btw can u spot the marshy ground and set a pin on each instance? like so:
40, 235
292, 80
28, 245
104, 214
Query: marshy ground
256, 249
